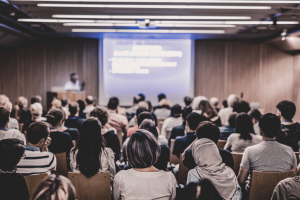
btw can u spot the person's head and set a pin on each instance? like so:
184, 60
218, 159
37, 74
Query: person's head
207, 110
37, 134
143, 97
11, 152
36, 110
208, 130
73, 108
90, 100
214, 101
144, 115
4, 116
8, 106
186, 111
232, 120
81, 105
188, 101
161, 96
3, 99
56, 103
244, 126
54, 187
150, 108
149, 125
286, 109
101, 114
196, 102
21, 102
142, 149
269, 125
36, 99
113, 103
136, 99
90, 146
74, 77
143, 104
166, 103
55, 117
176, 111
64, 102
224, 104
231, 99
193, 120
241, 106
254, 115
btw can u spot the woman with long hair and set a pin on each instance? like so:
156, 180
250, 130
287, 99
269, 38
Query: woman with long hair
209, 112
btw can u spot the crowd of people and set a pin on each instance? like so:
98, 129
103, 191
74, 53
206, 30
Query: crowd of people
127, 143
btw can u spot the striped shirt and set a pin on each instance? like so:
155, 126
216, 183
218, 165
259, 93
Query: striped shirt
36, 162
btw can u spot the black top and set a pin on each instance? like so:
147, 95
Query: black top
26, 125
182, 142
23, 118
163, 158
74, 122
289, 135
73, 133
113, 142
13, 187
61, 142
189, 161
218, 122
82, 115
176, 131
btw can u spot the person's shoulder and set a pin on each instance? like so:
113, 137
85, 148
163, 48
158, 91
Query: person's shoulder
109, 151
71, 130
284, 147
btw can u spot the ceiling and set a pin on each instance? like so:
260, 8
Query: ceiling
128, 17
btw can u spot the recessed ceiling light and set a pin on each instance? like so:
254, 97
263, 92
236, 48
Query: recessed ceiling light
148, 31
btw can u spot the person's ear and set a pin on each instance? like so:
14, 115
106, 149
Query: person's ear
261, 132
41, 142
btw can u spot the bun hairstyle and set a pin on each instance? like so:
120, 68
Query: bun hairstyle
55, 116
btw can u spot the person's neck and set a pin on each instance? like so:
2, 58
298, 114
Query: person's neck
264, 138
35, 145
76, 115
110, 110
286, 121
6, 125
148, 169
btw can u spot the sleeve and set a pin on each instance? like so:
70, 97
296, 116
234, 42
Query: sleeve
280, 192
193, 177
228, 143
246, 160
23, 193
117, 186
111, 164
173, 189
188, 160
294, 160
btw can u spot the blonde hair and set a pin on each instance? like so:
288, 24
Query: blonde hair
143, 104
231, 99
3, 99
36, 110
165, 102
56, 103
20, 104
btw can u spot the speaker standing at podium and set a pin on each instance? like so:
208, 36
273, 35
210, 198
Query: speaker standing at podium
73, 84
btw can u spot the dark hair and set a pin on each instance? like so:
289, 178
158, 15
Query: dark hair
240, 106
51, 185
270, 125
187, 101
254, 113
113, 103
11, 151
149, 125
194, 119
88, 101
140, 110
101, 114
224, 103
161, 96
206, 107
232, 120
73, 108
142, 149
90, 146
35, 99
208, 130
64, 102
136, 99
4, 116
244, 126
186, 111
37, 131
81, 105
176, 111
144, 115
287, 109
143, 97
54, 116
73, 74
149, 106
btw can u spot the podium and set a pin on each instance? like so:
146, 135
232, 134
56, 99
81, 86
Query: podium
72, 96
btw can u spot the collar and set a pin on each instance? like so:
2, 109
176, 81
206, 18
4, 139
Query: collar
190, 133
4, 128
288, 120
73, 117
31, 148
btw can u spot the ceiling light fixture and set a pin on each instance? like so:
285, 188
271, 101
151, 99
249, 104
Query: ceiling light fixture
73, 21
147, 31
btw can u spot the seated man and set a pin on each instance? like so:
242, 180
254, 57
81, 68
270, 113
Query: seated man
255, 116
289, 133
90, 105
73, 120
267, 156
226, 130
37, 158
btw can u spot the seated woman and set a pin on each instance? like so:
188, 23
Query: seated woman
144, 181
90, 156
12, 184
210, 166
36, 110
18, 111
54, 187
244, 136
210, 112
163, 111
172, 121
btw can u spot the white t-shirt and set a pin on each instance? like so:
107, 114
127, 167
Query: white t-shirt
239, 145
72, 86
169, 123
12, 133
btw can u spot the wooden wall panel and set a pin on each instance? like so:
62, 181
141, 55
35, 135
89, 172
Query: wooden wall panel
296, 85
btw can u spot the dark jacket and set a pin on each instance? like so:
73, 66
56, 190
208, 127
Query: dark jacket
176, 131
289, 135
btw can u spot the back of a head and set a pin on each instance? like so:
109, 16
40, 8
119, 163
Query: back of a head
231, 99
161, 96
54, 116
89, 100
224, 103
136, 99
214, 101
140, 110
206, 108
3, 99
144, 115
64, 102
113, 103
81, 105
36, 110
143, 97
4, 116
149, 125
188, 101
37, 131
176, 111
208, 130
143, 104
197, 100
36, 99
150, 108
287, 109
194, 119
186, 111
56, 103
232, 119
11, 151
244, 126
241, 106
8, 106
254, 114
22, 102
142, 149
101, 114
165, 103
270, 125
73, 108
54, 187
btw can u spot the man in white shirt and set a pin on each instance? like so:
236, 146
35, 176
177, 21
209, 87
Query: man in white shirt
225, 112
73, 84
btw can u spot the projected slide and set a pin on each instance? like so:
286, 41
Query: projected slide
148, 66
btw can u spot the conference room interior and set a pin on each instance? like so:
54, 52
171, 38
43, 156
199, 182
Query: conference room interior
244, 51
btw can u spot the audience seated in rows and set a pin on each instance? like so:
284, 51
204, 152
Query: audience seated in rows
37, 159
267, 156
289, 133
172, 121
225, 112
18, 111
240, 106
209, 112
210, 166
81, 105
36, 112
163, 111
144, 181
133, 121
90, 105
227, 130
36, 99
90, 155
255, 116
188, 101
136, 127
12, 184
73, 120
244, 136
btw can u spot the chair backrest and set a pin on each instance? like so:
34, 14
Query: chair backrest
168, 132
160, 123
21, 127
221, 144
61, 167
183, 171
173, 159
93, 188
297, 156
263, 183
237, 159
120, 136
33, 181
